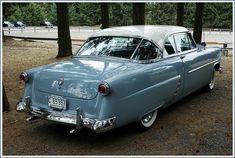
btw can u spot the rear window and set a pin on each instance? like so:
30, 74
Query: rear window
122, 47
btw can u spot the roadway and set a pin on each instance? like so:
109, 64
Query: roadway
214, 38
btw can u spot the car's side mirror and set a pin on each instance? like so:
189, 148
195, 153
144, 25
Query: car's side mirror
203, 44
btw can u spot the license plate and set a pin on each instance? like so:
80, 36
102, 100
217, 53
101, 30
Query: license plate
57, 102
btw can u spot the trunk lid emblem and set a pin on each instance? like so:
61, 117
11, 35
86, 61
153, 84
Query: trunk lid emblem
60, 82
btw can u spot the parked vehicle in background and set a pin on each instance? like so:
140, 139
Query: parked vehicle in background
7, 24
47, 24
19, 24
119, 76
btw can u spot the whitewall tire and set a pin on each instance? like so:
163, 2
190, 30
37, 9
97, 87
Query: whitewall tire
211, 83
147, 120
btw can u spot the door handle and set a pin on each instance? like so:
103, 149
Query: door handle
182, 56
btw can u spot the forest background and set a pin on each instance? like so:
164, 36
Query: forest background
215, 15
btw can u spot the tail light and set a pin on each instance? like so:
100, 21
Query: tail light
104, 89
24, 76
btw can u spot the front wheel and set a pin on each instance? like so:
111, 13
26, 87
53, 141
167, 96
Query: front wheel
147, 121
211, 83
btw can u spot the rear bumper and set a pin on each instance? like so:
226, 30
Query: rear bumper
77, 120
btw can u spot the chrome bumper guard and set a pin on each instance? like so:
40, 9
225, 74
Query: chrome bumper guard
78, 120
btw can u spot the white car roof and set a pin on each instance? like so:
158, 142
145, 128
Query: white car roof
157, 33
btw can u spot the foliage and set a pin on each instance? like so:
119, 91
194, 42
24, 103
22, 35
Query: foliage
87, 14
160, 13
29, 13
218, 15
120, 14
189, 14
50, 12
215, 15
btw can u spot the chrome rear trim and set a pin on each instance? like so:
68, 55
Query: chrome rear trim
63, 117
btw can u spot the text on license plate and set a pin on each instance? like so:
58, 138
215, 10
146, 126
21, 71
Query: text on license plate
57, 102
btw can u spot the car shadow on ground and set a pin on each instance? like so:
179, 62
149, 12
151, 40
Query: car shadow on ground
174, 130
63, 131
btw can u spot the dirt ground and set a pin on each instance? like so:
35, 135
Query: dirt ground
200, 124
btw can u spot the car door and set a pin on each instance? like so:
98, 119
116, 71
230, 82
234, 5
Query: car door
193, 59
159, 80
174, 71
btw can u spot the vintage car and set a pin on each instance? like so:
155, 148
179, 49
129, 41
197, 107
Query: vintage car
19, 24
7, 24
46, 24
119, 76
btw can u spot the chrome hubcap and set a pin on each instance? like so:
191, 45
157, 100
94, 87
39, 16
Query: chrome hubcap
147, 117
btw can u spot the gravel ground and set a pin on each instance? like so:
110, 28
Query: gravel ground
200, 124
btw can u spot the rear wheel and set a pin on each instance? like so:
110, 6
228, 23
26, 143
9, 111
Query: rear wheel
147, 121
211, 83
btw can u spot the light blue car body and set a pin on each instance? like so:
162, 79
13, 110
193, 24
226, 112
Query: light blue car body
136, 87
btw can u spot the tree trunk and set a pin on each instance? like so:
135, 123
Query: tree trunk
180, 14
197, 30
104, 15
5, 100
64, 39
138, 13
3, 33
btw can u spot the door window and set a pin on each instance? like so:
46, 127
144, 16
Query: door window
191, 41
182, 42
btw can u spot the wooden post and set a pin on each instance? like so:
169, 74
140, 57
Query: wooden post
5, 100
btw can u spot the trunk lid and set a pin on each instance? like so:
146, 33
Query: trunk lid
77, 77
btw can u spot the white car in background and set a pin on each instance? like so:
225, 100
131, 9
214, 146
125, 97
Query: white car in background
7, 24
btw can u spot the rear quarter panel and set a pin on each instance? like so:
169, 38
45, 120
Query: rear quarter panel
143, 88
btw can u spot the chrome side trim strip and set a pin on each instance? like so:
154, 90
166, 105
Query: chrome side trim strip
181, 53
215, 61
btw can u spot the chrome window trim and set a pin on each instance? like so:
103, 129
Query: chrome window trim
191, 37
188, 51
137, 47
182, 53
175, 48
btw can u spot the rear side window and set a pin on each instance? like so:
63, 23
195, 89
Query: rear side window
146, 51
169, 46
